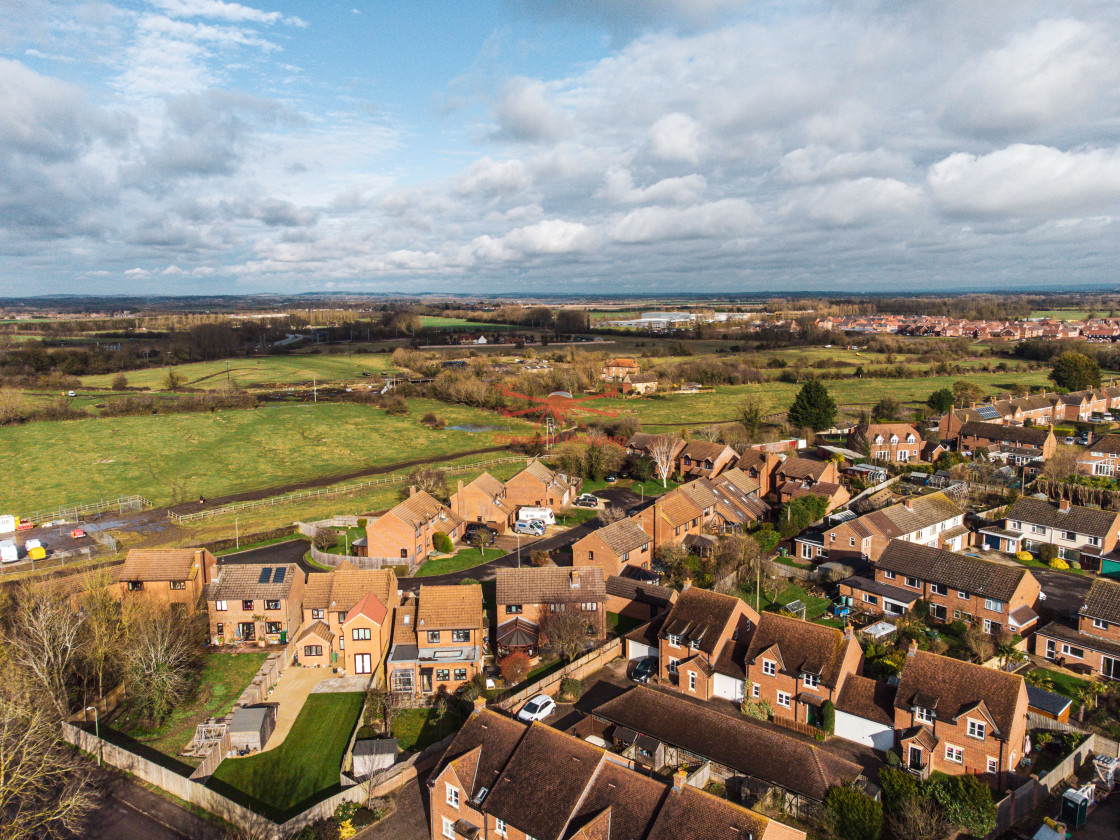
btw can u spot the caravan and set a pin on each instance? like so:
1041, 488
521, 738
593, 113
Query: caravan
541, 514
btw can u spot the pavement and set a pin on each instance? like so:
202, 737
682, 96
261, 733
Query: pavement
290, 693
125, 810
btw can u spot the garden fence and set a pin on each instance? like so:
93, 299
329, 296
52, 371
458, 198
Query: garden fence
577, 669
81, 510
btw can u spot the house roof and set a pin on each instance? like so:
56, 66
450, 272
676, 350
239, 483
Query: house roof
692, 814
550, 585
636, 590
631, 798
868, 699
159, 564
421, 508
643, 441
749, 747
371, 607
677, 508
796, 467
1103, 601
924, 511
868, 432
1083, 520
493, 488
700, 491
804, 646
345, 586
622, 536
956, 571
700, 615
738, 479
955, 687
317, 629
1108, 445
1022, 435
699, 450
621, 362
450, 607
404, 623
1047, 701
244, 581
497, 735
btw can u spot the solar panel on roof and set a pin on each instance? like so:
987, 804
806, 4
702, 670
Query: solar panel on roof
266, 573
988, 412
278, 575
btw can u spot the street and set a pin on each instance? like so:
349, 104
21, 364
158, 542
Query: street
125, 810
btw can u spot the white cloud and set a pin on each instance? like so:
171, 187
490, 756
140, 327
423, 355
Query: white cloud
222, 11
846, 203
729, 217
1026, 180
620, 189
525, 113
494, 177
675, 137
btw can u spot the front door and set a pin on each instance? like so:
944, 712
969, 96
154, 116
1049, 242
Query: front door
426, 680
246, 630
915, 758
1110, 667
361, 663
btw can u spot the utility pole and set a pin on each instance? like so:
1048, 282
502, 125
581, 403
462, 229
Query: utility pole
227, 373
236, 533
315, 390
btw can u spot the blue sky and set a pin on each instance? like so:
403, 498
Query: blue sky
534, 146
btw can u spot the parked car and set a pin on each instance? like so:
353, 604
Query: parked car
538, 708
586, 500
1068, 440
530, 527
611, 479
487, 534
644, 669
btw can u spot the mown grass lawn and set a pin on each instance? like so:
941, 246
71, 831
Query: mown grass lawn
418, 729
182, 456
815, 606
465, 558
224, 676
1064, 684
304, 767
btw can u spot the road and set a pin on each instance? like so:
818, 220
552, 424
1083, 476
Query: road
124, 810
291, 551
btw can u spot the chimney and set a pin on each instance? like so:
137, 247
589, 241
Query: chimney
1064, 505
573, 577
679, 780
908, 503
479, 703
848, 630
460, 483
910, 651
687, 584
411, 490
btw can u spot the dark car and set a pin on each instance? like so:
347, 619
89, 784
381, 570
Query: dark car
611, 479
488, 534
644, 669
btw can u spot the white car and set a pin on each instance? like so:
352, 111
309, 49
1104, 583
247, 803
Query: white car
538, 708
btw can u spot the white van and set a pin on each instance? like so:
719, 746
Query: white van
544, 514
8, 551
530, 527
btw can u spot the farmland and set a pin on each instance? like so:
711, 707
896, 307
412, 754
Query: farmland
438, 322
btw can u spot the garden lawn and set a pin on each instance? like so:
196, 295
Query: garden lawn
465, 558
1064, 684
173, 457
620, 625
418, 729
815, 606
224, 676
288, 778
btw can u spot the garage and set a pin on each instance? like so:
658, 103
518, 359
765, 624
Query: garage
865, 713
640, 650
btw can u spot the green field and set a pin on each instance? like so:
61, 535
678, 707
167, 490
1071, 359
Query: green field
302, 768
1063, 314
296, 369
174, 457
438, 322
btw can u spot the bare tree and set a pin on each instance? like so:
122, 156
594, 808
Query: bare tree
662, 451
918, 818
1062, 464
324, 539
565, 631
383, 702
12, 407
737, 552
46, 640
104, 631
709, 433
161, 661
611, 513
433, 482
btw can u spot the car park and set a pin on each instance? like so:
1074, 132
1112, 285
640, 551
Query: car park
538, 708
529, 527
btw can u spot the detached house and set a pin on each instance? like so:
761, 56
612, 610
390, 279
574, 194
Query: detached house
806, 471
1092, 644
166, 576
539, 486
484, 500
329, 598
437, 641
957, 587
250, 601
1080, 533
639, 383
527, 597
1101, 457
956, 717
619, 368
693, 637
898, 442
406, 532
614, 547
704, 459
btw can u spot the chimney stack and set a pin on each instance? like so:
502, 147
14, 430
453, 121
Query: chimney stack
573, 577
411, 490
1064, 505
479, 703
687, 584
848, 630
679, 780
908, 503
910, 651
460, 482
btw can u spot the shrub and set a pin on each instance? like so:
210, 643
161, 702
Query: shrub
853, 814
540, 558
757, 709
1047, 552
828, 717
897, 785
442, 542
571, 688
324, 539
346, 811
362, 523
515, 668
469, 581
1058, 563
396, 406
1074, 564
120, 382
1023, 556
966, 802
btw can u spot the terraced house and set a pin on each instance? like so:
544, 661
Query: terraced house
405, 534
1015, 444
437, 640
672, 518
1091, 645
693, 637
251, 601
1087, 535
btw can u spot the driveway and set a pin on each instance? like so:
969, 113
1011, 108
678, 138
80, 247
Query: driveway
291, 551
409, 820
1064, 592
290, 694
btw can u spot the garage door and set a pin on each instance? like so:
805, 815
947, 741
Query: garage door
870, 733
637, 650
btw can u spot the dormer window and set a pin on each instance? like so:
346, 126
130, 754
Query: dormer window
694, 644
674, 640
811, 680
909, 438
894, 438
923, 715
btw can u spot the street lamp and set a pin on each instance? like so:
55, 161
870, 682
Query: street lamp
96, 730
518, 533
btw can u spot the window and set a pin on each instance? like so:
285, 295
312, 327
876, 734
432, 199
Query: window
1095, 541
783, 699
433, 637
404, 553
674, 640
500, 827
976, 729
317, 614
1037, 529
273, 626
961, 615
220, 606
994, 606
401, 681
360, 634
1099, 625
991, 627
178, 584
590, 606
962, 595
135, 585
673, 665
756, 692
694, 644
913, 582
461, 674
993, 765
461, 636
938, 589
312, 650
513, 609
769, 668
954, 754
870, 599
852, 542
452, 796
443, 674
889, 575
591, 555
271, 605
221, 629
923, 715
691, 680
1069, 535
342, 618
811, 680
247, 606
449, 828
1075, 652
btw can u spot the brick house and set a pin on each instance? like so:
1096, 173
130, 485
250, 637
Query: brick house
974, 435
805, 471
242, 591
166, 576
438, 640
1101, 457
671, 518
1092, 645
316, 645
539, 486
527, 597
738, 502
1080, 533
484, 500
329, 597
693, 636
933, 520
406, 532
834, 494
614, 547
704, 459
362, 630
637, 598
641, 445
957, 587
639, 383
614, 369
761, 467
957, 717
895, 442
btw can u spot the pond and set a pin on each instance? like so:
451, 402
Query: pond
476, 427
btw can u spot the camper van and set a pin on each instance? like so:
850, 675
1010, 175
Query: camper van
543, 514
8, 551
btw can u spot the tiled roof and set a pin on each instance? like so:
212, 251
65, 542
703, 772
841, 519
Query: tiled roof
1103, 601
643, 441
739, 479
700, 491
1083, 520
622, 536
342, 588
700, 615
677, 508
796, 467
371, 607
498, 736
956, 686
421, 508
692, 814
802, 645
1109, 445
955, 571
897, 520
449, 607
242, 581
1022, 435
1063, 632
698, 450
158, 564
404, 623
868, 431
550, 585
317, 629
867, 699
632, 799
636, 590
493, 488
752, 748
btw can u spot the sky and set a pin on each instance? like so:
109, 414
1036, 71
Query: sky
526, 147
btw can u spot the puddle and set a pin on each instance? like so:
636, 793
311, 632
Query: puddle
475, 427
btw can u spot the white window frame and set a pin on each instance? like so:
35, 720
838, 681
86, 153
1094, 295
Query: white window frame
993, 765
691, 680
674, 640
756, 691
1068, 650
923, 715
954, 754
811, 680
449, 828
993, 606
220, 606
917, 584
888, 574
452, 796
977, 729
962, 595
769, 668
1099, 624
779, 701
499, 827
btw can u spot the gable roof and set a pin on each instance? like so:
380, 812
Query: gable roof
704, 449
955, 686
1021, 435
701, 492
244, 581
1109, 445
631, 798
924, 511
1083, 520
640, 591
345, 586
316, 629
805, 647
797, 467
159, 564
868, 699
497, 735
421, 508
700, 615
737, 479
449, 607
622, 536
492, 488
955, 571
868, 432
692, 814
677, 508
551, 585
1103, 601
644, 440
371, 607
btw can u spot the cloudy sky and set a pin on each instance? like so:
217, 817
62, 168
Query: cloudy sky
178, 146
